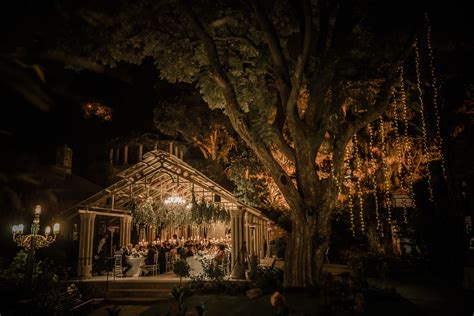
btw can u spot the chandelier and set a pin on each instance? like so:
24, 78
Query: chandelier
34, 240
175, 199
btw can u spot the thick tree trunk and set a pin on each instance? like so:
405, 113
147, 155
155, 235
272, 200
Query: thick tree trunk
305, 252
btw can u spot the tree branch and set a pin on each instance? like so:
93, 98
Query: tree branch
291, 111
236, 116
282, 73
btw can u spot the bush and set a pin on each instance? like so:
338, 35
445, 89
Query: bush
48, 283
268, 279
343, 292
280, 247
181, 268
210, 270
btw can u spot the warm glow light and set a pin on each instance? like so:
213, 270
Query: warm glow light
14, 228
56, 228
20, 228
47, 230
174, 199
38, 210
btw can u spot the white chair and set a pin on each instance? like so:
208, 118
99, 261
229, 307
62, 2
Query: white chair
118, 269
153, 268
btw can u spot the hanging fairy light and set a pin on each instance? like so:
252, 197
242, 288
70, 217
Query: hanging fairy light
399, 149
387, 201
373, 178
423, 122
336, 181
439, 143
351, 203
351, 212
406, 144
355, 151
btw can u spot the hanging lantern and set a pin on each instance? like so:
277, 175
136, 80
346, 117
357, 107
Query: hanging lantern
401, 199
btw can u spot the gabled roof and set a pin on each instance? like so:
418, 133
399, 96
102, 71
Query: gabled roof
159, 175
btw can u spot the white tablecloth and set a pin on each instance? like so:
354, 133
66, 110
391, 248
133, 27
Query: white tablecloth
135, 263
195, 264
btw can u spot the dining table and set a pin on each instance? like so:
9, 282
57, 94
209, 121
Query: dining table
136, 263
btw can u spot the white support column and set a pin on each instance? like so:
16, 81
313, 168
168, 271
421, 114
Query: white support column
261, 237
86, 239
117, 156
141, 233
111, 156
267, 239
237, 221
125, 154
140, 152
247, 231
128, 230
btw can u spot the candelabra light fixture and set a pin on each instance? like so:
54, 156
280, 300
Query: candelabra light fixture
175, 199
35, 240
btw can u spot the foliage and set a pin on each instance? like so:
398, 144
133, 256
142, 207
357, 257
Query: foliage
181, 268
342, 293
50, 284
211, 271
280, 247
208, 213
268, 279
203, 286
297, 82
179, 293
155, 212
207, 130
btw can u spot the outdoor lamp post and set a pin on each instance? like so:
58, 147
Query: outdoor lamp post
33, 241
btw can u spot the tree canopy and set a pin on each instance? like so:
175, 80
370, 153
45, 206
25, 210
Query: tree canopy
297, 81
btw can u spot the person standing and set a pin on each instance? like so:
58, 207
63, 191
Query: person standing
102, 253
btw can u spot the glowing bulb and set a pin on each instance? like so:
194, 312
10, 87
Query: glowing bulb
20, 228
56, 228
47, 230
38, 210
15, 228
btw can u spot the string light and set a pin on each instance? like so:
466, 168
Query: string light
336, 181
351, 212
357, 160
407, 146
351, 204
387, 202
398, 146
439, 143
423, 122
372, 165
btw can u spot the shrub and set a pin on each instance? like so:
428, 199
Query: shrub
181, 268
268, 279
211, 271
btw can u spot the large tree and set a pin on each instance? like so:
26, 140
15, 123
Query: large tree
296, 79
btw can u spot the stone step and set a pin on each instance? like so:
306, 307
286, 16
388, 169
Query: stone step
143, 285
135, 300
139, 293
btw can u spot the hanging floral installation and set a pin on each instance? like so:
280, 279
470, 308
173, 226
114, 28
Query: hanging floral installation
142, 213
162, 214
209, 213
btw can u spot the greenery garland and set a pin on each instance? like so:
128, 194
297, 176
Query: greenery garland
208, 213
151, 212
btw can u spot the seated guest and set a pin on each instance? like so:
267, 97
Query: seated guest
129, 249
136, 251
219, 257
150, 257
125, 263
